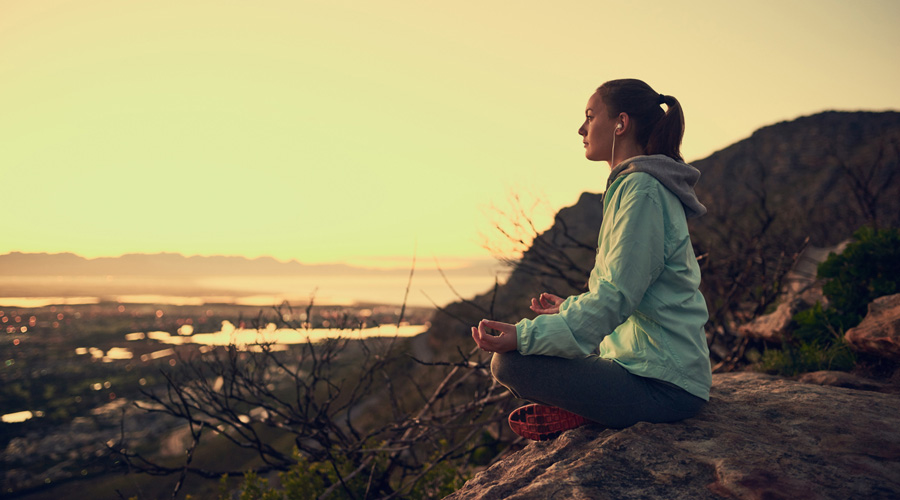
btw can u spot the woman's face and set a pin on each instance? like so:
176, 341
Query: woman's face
597, 130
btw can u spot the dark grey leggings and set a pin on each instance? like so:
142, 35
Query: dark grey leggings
596, 388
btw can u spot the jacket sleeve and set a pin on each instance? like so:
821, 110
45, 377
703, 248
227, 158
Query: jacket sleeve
634, 257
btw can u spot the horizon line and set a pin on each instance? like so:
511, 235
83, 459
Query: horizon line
434, 263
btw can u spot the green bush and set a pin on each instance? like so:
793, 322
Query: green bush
867, 269
819, 325
306, 480
793, 359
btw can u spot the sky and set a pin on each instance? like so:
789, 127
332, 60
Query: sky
368, 132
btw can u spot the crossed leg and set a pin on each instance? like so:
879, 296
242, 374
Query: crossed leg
596, 388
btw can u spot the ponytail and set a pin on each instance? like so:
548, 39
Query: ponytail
665, 138
656, 131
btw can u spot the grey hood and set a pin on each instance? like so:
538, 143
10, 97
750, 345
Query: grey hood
677, 177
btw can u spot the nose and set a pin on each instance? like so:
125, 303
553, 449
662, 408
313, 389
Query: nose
581, 131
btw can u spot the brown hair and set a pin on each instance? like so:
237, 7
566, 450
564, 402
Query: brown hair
657, 131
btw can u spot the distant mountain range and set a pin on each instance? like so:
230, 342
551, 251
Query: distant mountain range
174, 264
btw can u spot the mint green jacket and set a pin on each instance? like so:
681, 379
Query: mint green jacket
643, 307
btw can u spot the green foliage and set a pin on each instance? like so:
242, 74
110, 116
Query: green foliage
304, 481
487, 449
252, 487
819, 325
793, 359
440, 481
257, 488
867, 269
223, 488
307, 479
441, 477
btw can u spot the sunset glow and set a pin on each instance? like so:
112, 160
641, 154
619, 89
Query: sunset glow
362, 132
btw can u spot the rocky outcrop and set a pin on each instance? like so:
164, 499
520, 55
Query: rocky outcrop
800, 178
775, 327
879, 331
801, 292
760, 437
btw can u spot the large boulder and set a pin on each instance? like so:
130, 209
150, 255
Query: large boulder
879, 331
760, 437
775, 326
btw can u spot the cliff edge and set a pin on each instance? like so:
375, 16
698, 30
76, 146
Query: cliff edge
760, 437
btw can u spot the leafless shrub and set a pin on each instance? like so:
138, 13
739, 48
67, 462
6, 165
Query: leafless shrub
360, 407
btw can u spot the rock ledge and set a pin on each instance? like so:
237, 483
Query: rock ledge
760, 437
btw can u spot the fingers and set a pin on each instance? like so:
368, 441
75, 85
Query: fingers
504, 342
550, 300
546, 303
486, 339
477, 337
496, 325
483, 340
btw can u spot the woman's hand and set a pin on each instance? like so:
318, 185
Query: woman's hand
546, 303
504, 342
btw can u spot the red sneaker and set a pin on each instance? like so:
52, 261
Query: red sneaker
541, 422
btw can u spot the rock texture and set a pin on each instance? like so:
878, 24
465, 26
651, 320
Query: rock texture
842, 379
760, 437
798, 177
879, 331
775, 327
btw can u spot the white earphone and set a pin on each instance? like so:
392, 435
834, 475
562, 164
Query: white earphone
613, 152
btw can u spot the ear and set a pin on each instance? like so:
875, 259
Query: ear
623, 123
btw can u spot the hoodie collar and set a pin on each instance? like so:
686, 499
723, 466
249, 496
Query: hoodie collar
676, 176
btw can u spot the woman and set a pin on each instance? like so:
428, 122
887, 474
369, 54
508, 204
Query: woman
643, 309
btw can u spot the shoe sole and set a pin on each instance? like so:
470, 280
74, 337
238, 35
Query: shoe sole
541, 422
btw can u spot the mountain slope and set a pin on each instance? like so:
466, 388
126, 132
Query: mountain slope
820, 176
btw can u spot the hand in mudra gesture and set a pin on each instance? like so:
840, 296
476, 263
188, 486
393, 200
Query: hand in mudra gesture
504, 342
546, 303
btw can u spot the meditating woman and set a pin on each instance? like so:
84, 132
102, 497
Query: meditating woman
632, 348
